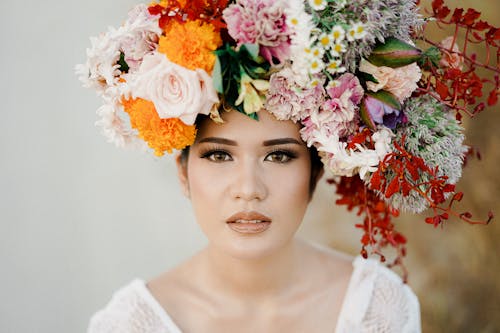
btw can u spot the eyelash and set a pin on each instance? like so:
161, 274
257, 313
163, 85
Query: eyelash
290, 155
210, 152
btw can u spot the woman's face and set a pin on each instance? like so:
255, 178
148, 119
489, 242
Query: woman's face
248, 182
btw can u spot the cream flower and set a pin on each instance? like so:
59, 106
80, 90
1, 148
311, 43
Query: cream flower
135, 38
450, 57
252, 94
401, 81
176, 91
115, 128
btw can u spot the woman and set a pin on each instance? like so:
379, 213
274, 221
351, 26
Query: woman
250, 92
250, 183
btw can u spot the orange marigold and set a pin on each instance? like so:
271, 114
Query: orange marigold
165, 3
190, 44
160, 134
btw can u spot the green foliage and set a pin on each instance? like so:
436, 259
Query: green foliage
231, 65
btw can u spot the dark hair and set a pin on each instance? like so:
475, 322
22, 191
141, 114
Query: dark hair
316, 164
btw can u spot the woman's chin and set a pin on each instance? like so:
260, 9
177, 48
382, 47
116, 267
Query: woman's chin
246, 248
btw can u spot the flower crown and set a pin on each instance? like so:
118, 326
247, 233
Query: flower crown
383, 113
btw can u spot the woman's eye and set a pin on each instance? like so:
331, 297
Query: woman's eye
279, 157
217, 156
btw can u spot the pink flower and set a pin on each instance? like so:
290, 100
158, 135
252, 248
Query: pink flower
287, 100
262, 22
401, 81
449, 56
339, 114
350, 84
142, 37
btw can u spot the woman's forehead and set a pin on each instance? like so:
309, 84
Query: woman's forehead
239, 127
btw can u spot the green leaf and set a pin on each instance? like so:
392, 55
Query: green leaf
432, 55
394, 53
231, 65
217, 76
253, 50
367, 77
123, 64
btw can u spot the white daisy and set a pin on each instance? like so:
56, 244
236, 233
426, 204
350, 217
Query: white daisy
325, 40
335, 66
332, 83
338, 48
318, 4
316, 65
357, 31
338, 33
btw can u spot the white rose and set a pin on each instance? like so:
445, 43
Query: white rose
175, 91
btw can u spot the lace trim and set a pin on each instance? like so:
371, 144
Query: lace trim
376, 300
391, 307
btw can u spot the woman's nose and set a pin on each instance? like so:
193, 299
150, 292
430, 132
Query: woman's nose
248, 182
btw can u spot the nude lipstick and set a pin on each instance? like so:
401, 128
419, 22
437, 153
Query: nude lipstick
249, 222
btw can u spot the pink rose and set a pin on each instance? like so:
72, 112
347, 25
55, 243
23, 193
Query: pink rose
176, 91
449, 56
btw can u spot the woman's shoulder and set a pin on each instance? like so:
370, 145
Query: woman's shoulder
377, 298
132, 308
329, 259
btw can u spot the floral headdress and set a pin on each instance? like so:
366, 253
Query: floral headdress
383, 112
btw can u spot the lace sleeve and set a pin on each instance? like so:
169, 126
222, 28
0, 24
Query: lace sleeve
378, 301
131, 311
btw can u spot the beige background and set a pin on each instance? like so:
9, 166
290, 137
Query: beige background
79, 218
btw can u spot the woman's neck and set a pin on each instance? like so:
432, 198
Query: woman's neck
258, 279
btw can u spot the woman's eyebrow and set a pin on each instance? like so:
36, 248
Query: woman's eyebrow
223, 141
282, 141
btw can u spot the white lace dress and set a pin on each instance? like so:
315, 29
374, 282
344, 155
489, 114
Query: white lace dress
376, 301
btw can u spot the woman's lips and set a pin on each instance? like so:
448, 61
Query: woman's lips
249, 222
